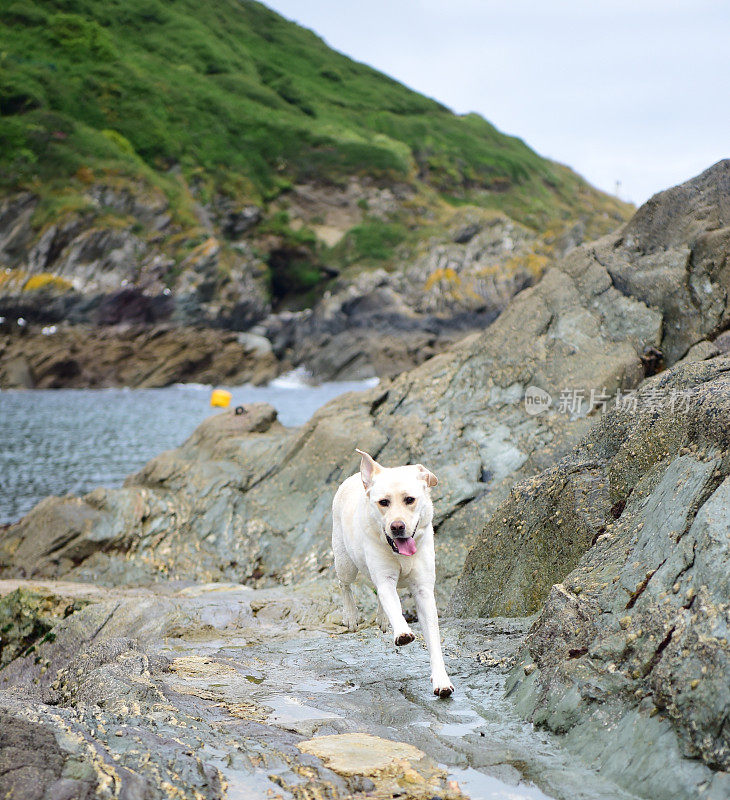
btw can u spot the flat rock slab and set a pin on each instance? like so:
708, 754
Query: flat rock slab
389, 768
361, 753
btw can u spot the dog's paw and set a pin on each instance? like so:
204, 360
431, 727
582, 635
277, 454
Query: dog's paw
443, 687
349, 622
404, 638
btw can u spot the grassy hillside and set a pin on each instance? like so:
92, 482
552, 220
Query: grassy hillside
237, 99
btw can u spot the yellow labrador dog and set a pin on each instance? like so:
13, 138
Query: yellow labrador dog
382, 527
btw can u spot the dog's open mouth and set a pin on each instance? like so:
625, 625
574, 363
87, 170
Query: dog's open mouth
405, 545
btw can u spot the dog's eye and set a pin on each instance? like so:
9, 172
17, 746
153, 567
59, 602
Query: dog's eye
409, 501
384, 502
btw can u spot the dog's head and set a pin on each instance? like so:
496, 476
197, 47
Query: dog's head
399, 500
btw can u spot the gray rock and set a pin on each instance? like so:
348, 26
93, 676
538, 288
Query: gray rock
122, 239
722, 342
52, 242
631, 646
672, 255
32, 763
16, 212
237, 222
146, 204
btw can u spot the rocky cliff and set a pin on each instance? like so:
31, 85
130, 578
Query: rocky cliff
122, 263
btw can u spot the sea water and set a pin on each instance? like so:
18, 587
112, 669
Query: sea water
61, 441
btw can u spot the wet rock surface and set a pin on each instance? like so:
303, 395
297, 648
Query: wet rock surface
223, 691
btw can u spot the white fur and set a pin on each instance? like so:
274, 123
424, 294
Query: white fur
359, 527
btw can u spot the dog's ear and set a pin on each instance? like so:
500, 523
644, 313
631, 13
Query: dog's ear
368, 468
427, 475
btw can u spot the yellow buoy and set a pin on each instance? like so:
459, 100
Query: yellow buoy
220, 398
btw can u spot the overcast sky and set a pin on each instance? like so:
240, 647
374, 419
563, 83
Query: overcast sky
636, 91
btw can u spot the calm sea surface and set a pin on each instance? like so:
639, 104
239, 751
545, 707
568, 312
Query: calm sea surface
73, 440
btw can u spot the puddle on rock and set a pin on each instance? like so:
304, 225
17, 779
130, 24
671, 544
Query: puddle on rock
287, 710
478, 786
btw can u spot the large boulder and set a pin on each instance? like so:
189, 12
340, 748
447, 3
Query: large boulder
673, 255
629, 656
551, 519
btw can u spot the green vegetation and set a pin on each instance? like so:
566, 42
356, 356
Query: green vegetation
239, 100
370, 242
27, 618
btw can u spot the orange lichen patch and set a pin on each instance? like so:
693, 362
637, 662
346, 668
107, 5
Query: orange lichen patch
446, 275
12, 279
45, 280
207, 249
532, 262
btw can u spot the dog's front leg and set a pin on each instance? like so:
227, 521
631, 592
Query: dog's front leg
349, 609
390, 603
428, 617
380, 619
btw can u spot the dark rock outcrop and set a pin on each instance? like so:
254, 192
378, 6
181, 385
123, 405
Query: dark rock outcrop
136, 356
383, 322
674, 256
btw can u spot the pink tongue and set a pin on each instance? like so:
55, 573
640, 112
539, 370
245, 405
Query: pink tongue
406, 547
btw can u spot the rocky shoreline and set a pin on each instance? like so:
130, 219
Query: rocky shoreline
109, 283
80, 357
582, 556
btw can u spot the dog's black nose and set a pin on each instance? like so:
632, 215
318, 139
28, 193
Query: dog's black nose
398, 527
